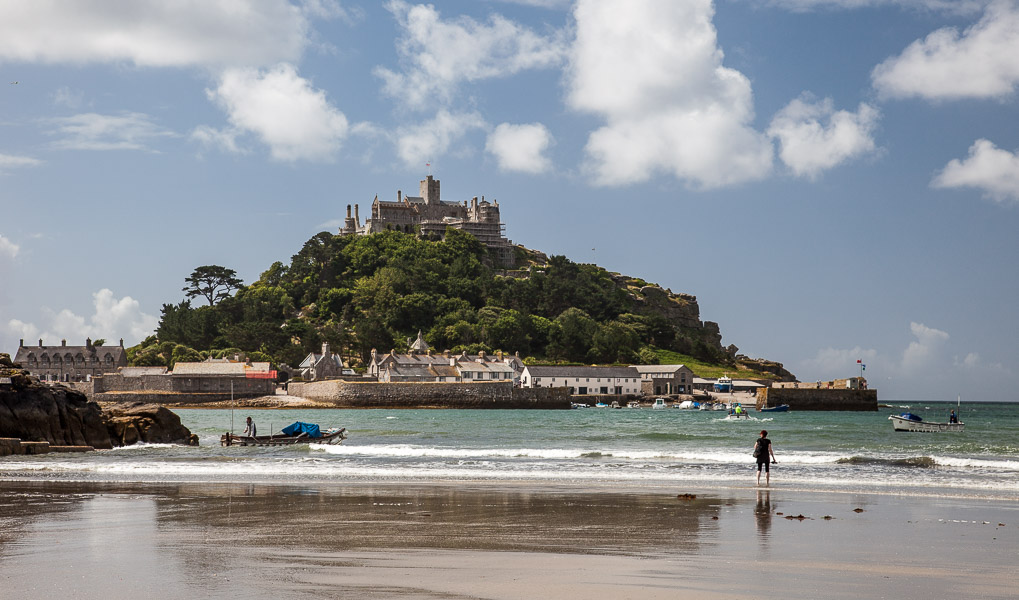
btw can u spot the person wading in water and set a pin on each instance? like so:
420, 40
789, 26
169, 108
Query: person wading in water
762, 449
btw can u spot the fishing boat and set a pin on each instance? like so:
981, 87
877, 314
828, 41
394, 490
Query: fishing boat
724, 384
779, 408
297, 433
911, 422
659, 403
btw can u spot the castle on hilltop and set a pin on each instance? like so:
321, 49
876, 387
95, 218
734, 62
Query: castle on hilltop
428, 216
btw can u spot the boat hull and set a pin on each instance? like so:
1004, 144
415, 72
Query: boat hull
779, 408
903, 424
329, 436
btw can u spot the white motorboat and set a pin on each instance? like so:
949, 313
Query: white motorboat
659, 403
633, 404
686, 405
911, 422
738, 417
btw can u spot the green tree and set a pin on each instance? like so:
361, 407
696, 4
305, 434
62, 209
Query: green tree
212, 282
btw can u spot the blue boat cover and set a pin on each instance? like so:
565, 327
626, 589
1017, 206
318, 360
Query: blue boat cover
911, 417
298, 428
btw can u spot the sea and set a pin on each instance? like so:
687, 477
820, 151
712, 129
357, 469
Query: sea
597, 447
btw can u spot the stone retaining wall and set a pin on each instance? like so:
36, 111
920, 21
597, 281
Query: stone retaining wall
163, 398
818, 399
370, 394
15, 446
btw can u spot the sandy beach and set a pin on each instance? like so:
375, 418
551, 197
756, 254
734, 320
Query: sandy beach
497, 541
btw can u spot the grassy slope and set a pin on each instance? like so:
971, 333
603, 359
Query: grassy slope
707, 370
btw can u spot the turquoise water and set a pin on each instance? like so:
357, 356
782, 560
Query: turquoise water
824, 451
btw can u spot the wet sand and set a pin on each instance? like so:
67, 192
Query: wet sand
527, 540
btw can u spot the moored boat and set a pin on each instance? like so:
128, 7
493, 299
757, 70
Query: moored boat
659, 403
633, 404
911, 422
724, 384
779, 408
297, 433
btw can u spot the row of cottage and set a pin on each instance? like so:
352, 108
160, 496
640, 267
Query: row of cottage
420, 364
104, 369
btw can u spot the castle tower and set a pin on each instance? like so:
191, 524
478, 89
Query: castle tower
430, 190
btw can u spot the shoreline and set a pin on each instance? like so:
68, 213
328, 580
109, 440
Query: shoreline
460, 539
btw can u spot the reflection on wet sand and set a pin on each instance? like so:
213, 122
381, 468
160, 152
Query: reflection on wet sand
382, 517
762, 512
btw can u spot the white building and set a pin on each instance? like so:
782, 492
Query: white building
582, 381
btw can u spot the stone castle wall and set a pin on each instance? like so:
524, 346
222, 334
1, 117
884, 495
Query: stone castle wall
818, 399
370, 394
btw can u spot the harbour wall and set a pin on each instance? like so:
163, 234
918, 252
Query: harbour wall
371, 394
818, 399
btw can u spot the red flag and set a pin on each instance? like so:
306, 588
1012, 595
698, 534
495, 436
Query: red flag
858, 361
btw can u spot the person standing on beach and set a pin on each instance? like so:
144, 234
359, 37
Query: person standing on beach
762, 449
249, 429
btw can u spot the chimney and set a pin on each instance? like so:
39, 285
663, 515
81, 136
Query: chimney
348, 211
481, 355
445, 353
63, 342
357, 217
121, 342
237, 357
21, 342
325, 349
40, 342
399, 195
88, 342
499, 354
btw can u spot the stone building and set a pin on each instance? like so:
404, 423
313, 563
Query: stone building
422, 364
71, 363
429, 215
665, 379
318, 366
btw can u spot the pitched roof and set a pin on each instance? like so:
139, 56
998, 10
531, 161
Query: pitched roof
139, 371
659, 368
568, 371
207, 368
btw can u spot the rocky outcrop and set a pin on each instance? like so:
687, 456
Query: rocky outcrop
150, 423
35, 412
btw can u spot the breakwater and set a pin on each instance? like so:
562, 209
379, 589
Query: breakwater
818, 399
371, 394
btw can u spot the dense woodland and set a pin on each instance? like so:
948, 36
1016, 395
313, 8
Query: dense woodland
363, 292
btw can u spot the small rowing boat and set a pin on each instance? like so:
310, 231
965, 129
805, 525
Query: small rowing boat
298, 433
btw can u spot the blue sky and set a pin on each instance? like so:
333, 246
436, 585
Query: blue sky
833, 179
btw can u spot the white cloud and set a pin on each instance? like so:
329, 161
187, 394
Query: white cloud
654, 72
92, 131
111, 319
989, 168
8, 161
814, 137
295, 120
520, 147
65, 96
979, 63
154, 32
8, 248
835, 363
950, 6
927, 351
438, 55
419, 144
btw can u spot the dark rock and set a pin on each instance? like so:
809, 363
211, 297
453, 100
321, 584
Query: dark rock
36, 412
150, 423
687, 496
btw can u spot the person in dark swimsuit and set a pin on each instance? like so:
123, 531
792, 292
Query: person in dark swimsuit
762, 449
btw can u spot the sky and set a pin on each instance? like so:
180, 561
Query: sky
834, 180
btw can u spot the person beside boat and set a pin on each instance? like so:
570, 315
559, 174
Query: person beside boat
953, 418
250, 429
762, 449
